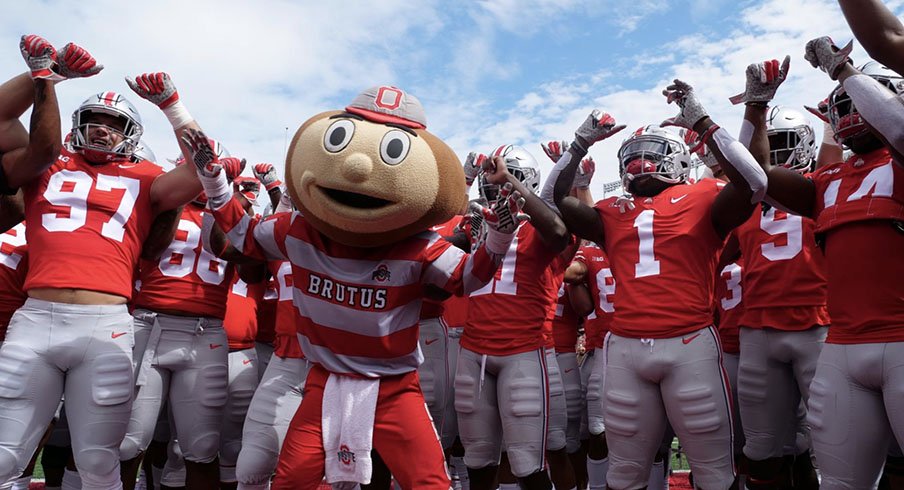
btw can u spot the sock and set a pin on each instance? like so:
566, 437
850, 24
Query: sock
157, 473
464, 480
596, 473
21, 483
71, 480
656, 472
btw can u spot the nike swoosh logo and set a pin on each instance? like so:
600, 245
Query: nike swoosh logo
246, 361
569, 370
689, 339
214, 346
676, 199
115, 335
430, 341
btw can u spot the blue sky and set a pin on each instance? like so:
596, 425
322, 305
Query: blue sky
488, 73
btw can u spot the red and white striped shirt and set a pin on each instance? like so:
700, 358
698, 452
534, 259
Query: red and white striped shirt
358, 307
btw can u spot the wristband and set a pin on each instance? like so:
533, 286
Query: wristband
705, 137
177, 114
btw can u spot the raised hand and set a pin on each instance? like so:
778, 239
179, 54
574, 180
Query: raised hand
201, 153
821, 110
40, 56
822, 53
158, 88
624, 204
505, 215
74, 61
472, 166
763, 80
597, 127
232, 166
554, 149
585, 173
691, 110
266, 173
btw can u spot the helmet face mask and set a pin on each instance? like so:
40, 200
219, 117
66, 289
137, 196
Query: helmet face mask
84, 123
844, 118
792, 141
520, 163
655, 152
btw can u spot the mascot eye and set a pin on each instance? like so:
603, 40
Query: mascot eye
394, 147
338, 135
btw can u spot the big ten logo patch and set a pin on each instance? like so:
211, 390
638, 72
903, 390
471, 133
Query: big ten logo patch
346, 456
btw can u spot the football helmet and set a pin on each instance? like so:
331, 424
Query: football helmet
114, 104
792, 140
519, 163
143, 152
654, 151
843, 116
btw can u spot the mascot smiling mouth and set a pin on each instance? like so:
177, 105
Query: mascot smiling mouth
353, 199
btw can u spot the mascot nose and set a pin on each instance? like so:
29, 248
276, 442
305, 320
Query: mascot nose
357, 167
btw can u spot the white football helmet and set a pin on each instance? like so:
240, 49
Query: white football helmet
113, 104
143, 152
519, 163
792, 140
654, 151
843, 116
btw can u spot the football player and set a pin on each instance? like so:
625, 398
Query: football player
785, 319
854, 407
663, 355
591, 291
178, 320
503, 359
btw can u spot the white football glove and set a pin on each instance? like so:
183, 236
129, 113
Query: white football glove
822, 53
597, 127
763, 80
691, 110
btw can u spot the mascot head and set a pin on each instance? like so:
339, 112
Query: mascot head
372, 175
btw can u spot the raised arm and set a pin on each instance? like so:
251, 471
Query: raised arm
266, 174
878, 30
737, 200
551, 228
180, 185
26, 156
580, 218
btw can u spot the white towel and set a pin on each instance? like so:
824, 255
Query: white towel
348, 429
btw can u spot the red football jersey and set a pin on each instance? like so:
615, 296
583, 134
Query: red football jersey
859, 205
601, 283
507, 316
266, 314
87, 223
186, 280
784, 271
241, 312
431, 308
664, 254
13, 268
286, 343
730, 303
564, 323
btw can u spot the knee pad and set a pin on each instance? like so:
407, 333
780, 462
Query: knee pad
97, 461
9, 465
254, 466
101, 481
129, 448
201, 448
